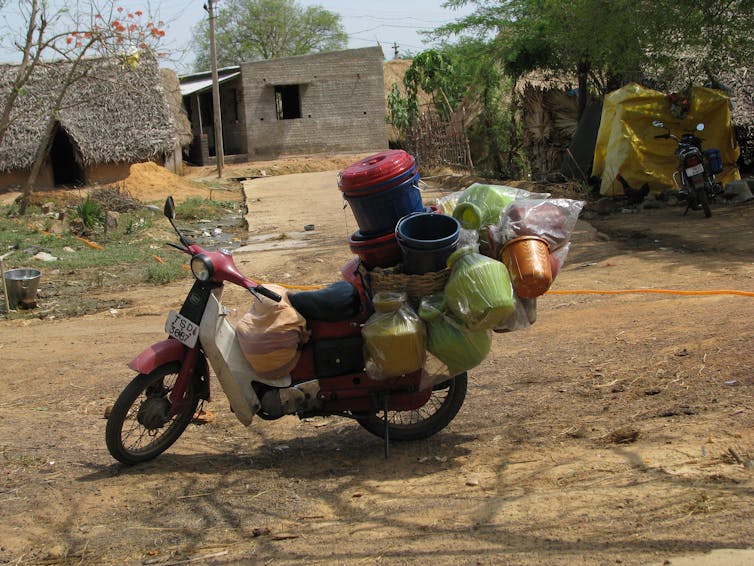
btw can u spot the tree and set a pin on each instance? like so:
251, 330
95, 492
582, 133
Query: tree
464, 74
606, 43
250, 30
72, 36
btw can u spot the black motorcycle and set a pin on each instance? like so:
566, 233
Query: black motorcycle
694, 178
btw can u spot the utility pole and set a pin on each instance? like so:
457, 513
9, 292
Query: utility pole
395, 49
219, 154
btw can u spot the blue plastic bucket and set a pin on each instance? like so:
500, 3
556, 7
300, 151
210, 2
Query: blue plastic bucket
426, 240
427, 230
378, 213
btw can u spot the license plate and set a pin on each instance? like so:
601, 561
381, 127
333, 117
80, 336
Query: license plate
695, 170
182, 329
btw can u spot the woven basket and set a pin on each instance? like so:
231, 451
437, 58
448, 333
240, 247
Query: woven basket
415, 286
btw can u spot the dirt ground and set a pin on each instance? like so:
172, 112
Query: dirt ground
619, 429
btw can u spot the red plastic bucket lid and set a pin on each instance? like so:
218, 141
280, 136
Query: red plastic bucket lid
375, 169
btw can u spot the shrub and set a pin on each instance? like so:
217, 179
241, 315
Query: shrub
90, 212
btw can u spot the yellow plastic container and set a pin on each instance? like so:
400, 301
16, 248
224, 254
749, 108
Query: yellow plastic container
394, 337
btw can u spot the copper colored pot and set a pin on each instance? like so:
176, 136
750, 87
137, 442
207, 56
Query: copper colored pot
528, 261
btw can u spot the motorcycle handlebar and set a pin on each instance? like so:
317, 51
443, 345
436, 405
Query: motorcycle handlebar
266, 293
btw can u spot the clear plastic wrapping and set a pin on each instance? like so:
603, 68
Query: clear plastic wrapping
550, 219
522, 317
394, 337
478, 291
447, 204
458, 347
270, 335
480, 204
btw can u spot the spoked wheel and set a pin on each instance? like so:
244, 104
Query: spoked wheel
443, 405
140, 426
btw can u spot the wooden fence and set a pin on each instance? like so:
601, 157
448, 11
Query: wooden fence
436, 142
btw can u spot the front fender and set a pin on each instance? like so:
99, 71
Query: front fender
158, 354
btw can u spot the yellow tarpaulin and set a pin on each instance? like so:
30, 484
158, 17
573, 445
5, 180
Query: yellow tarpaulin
626, 141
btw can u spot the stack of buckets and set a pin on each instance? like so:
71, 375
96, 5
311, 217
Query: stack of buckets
380, 189
383, 193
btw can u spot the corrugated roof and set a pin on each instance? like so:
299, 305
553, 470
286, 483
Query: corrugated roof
192, 86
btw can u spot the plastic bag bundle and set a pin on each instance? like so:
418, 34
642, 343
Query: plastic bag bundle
480, 205
522, 318
270, 334
459, 348
447, 204
552, 220
394, 337
479, 290
532, 240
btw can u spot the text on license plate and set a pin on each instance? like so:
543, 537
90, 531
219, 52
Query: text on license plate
182, 329
695, 170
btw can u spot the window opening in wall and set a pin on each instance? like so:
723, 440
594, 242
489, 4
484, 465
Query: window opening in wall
287, 102
232, 109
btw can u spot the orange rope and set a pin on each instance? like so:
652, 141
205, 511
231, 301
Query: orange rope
298, 287
89, 243
591, 291
658, 291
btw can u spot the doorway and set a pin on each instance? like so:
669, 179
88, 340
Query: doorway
66, 169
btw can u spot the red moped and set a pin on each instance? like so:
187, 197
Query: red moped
173, 377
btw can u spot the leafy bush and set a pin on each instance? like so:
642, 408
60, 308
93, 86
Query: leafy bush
90, 212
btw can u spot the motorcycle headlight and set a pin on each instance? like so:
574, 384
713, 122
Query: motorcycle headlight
202, 268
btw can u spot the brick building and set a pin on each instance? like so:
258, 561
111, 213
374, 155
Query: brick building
324, 102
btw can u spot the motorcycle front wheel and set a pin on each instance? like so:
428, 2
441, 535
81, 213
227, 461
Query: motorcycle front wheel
443, 405
140, 426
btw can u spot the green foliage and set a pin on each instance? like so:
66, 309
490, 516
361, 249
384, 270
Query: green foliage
252, 30
130, 253
90, 212
161, 274
432, 71
133, 224
466, 73
399, 109
610, 42
197, 208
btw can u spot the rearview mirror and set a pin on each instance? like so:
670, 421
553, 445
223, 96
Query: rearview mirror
700, 127
169, 208
658, 124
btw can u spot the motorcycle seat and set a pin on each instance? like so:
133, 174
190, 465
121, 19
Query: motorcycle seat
336, 302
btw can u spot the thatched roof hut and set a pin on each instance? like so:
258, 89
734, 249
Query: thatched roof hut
114, 114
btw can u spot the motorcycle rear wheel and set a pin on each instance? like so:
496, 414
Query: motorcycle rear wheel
140, 426
443, 405
703, 200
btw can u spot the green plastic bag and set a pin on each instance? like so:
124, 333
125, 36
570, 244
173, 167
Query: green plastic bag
459, 348
480, 205
479, 291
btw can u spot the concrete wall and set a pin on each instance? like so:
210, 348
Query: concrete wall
342, 103
232, 110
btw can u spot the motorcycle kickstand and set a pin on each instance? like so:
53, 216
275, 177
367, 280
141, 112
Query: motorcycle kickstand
387, 426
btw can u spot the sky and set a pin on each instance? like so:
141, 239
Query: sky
378, 22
